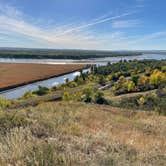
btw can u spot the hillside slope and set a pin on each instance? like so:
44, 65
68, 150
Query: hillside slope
71, 133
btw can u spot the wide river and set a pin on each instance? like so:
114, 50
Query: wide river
20, 91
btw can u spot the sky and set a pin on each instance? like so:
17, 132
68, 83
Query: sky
83, 24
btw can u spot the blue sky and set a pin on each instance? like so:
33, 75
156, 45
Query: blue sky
83, 24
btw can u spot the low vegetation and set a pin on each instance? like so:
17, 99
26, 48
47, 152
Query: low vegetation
72, 133
4, 103
151, 102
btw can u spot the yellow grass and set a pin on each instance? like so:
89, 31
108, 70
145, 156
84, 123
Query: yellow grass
68, 133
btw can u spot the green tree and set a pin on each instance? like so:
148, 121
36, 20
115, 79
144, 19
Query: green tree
102, 80
131, 86
120, 86
87, 92
99, 97
135, 78
42, 91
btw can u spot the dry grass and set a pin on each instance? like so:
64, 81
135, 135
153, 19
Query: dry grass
13, 74
82, 134
110, 96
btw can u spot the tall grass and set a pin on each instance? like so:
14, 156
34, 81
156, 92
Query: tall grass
68, 133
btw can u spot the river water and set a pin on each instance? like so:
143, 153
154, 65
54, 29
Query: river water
20, 91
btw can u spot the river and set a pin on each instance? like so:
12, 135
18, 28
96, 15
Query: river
20, 91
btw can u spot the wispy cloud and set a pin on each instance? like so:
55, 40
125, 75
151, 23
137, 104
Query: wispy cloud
148, 37
125, 23
78, 36
10, 11
103, 20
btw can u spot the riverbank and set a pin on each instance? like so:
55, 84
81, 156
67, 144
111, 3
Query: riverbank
15, 75
63, 54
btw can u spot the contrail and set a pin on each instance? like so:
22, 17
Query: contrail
98, 22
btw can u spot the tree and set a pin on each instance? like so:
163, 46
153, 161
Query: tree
79, 80
102, 80
135, 78
143, 82
66, 80
41, 91
99, 97
121, 86
87, 92
157, 78
131, 86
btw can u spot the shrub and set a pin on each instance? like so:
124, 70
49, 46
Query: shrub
87, 92
28, 95
66, 96
102, 81
42, 91
99, 98
72, 84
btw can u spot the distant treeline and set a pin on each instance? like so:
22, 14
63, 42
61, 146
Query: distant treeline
62, 54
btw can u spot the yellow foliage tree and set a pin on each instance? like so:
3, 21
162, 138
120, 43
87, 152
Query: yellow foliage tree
157, 78
131, 86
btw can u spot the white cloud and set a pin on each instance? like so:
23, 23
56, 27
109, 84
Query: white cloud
66, 36
75, 36
125, 23
10, 11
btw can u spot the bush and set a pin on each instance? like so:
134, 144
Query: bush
41, 91
87, 92
99, 98
66, 96
28, 95
72, 84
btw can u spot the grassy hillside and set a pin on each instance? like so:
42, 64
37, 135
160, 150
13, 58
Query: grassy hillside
73, 133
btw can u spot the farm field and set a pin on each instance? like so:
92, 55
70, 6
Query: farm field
14, 74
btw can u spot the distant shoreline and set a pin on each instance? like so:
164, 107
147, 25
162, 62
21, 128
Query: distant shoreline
75, 55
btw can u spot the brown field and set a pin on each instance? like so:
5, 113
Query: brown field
13, 74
